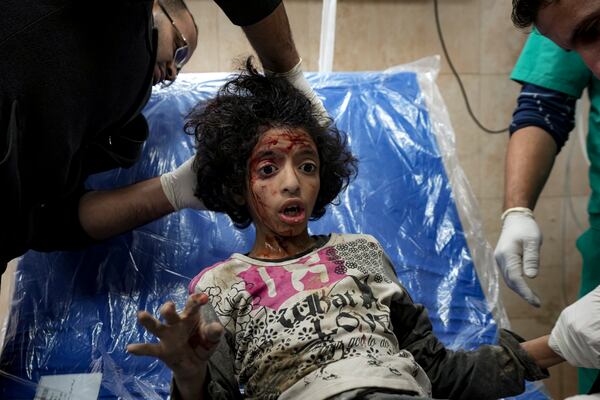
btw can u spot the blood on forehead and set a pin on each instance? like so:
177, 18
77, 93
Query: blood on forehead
283, 140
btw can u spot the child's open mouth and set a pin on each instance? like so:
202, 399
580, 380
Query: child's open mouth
292, 214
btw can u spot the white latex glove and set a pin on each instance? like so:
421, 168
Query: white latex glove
518, 251
576, 335
296, 77
595, 396
179, 186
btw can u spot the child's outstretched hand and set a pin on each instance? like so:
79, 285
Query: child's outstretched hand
187, 340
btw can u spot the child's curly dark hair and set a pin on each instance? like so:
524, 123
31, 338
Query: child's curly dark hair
228, 127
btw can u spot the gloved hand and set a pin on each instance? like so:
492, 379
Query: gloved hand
296, 77
179, 186
518, 251
576, 335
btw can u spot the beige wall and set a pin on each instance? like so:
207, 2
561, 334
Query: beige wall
377, 34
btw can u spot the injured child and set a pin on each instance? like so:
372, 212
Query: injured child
301, 316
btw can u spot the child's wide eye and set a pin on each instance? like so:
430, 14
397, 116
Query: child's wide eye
308, 168
267, 170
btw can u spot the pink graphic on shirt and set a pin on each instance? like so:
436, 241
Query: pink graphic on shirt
271, 286
197, 278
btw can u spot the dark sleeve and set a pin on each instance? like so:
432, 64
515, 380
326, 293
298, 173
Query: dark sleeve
55, 224
490, 372
247, 12
12, 231
118, 148
548, 109
222, 383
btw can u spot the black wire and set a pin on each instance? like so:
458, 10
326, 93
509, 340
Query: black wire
460, 84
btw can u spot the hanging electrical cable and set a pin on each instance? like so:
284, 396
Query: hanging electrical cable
460, 83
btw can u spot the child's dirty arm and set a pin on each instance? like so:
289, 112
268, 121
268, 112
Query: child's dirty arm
539, 350
187, 341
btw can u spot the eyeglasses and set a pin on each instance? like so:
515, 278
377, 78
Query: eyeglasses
182, 51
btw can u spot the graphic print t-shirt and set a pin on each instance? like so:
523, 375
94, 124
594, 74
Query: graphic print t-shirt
313, 326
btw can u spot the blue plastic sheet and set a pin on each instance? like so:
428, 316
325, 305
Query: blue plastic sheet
75, 312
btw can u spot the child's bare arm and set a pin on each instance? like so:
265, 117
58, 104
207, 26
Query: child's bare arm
539, 350
574, 338
187, 340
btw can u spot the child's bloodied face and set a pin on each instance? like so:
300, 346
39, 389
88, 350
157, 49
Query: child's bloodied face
283, 182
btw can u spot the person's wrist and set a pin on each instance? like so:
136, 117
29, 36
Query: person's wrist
520, 210
188, 375
553, 345
541, 352
287, 72
166, 183
518, 201
191, 384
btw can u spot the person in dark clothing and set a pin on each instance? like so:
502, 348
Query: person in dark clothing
74, 79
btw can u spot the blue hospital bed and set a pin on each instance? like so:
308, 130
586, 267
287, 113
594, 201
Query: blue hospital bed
74, 312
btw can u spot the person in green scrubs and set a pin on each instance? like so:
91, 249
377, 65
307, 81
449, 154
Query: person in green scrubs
553, 79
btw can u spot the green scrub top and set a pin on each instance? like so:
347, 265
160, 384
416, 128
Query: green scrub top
545, 64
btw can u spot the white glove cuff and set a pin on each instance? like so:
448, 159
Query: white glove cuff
166, 181
552, 342
521, 210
